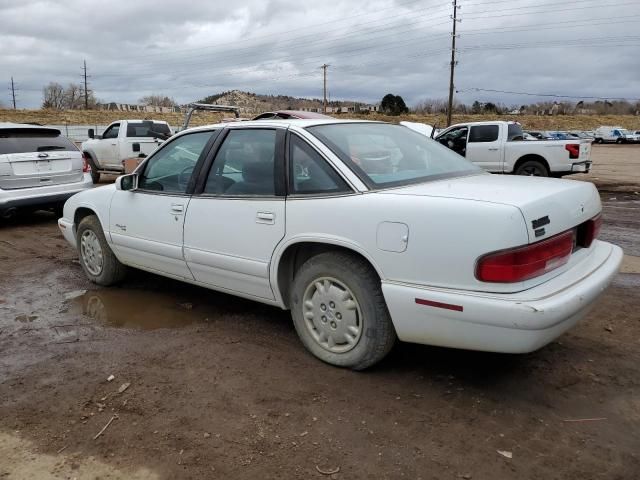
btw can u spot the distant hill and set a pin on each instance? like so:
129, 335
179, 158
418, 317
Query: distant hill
251, 103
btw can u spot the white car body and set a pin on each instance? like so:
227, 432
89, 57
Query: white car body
41, 176
499, 154
108, 151
422, 128
423, 241
606, 134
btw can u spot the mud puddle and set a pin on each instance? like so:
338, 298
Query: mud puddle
142, 310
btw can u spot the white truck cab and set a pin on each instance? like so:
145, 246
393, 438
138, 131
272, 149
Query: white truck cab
499, 147
121, 140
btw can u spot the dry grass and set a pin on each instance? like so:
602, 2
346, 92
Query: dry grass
103, 117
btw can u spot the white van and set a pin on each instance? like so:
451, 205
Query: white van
607, 134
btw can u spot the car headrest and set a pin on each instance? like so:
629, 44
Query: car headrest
257, 172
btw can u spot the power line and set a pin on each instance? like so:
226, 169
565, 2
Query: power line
584, 97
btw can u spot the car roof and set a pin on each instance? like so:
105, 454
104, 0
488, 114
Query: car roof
297, 122
26, 126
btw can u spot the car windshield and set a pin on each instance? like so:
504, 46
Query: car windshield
385, 155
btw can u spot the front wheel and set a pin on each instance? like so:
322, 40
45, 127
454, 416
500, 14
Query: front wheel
619, 141
339, 311
96, 257
532, 168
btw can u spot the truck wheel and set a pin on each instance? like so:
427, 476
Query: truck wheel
96, 257
533, 168
95, 175
619, 141
339, 311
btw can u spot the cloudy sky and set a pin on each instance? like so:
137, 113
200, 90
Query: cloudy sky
188, 49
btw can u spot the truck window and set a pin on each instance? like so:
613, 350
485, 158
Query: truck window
147, 129
514, 133
484, 133
112, 131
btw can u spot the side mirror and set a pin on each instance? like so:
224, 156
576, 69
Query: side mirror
127, 182
91, 133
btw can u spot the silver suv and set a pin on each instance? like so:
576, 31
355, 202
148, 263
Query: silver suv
39, 168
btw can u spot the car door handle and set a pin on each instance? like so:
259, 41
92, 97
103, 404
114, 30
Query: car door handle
493, 149
265, 217
177, 208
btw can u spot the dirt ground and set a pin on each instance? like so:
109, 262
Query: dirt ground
210, 386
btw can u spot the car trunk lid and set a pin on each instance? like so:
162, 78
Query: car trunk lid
549, 206
35, 169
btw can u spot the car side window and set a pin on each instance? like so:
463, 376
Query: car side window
169, 169
309, 173
112, 131
484, 133
244, 164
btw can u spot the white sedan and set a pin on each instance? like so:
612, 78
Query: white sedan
368, 232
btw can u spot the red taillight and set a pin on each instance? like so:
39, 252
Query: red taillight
573, 149
592, 230
527, 262
85, 163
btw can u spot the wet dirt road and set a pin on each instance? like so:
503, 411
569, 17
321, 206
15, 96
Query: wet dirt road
210, 386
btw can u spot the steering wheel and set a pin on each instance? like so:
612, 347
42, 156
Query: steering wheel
184, 176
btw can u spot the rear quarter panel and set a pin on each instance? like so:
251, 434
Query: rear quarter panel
552, 151
446, 236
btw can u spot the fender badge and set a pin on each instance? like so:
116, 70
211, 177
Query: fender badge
539, 232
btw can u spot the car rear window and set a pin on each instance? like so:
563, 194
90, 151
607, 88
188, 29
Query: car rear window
514, 133
33, 140
147, 129
385, 155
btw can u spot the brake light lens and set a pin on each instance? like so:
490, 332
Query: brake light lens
523, 263
85, 164
573, 149
591, 231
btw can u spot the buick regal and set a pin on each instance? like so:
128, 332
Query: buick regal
367, 232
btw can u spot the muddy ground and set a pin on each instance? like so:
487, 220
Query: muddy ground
210, 386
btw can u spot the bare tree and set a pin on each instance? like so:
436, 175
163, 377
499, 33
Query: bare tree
157, 100
73, 97
53, 96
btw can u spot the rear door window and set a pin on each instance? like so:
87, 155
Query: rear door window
26, 140
147, 129
484, 133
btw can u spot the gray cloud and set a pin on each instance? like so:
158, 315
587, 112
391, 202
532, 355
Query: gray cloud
190, 49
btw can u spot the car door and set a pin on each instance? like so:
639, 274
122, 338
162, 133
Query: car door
107, 148
455, 139
146, 224
483, 147
237, 214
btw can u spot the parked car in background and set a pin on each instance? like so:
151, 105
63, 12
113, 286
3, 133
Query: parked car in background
289, 114
528, 136
39, 168
607, 134
540, 135
582, 135
498, 147
373, 244
122, 140
559, 136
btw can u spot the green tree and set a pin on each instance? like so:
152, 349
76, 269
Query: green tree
393, 104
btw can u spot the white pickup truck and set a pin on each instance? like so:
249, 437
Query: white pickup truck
121, 140
498, 147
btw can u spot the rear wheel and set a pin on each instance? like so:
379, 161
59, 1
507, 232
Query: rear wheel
96, 258
532, 168
339, 311
95, 175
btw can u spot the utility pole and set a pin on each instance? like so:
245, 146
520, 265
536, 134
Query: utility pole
86, 92
454, 17
13, 93
324, 102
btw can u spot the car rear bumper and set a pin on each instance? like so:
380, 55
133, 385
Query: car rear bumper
29, 197
510, 323
581, 167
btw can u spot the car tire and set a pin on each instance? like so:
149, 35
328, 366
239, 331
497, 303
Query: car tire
96, 257
532, 168
619, 141
337, 295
